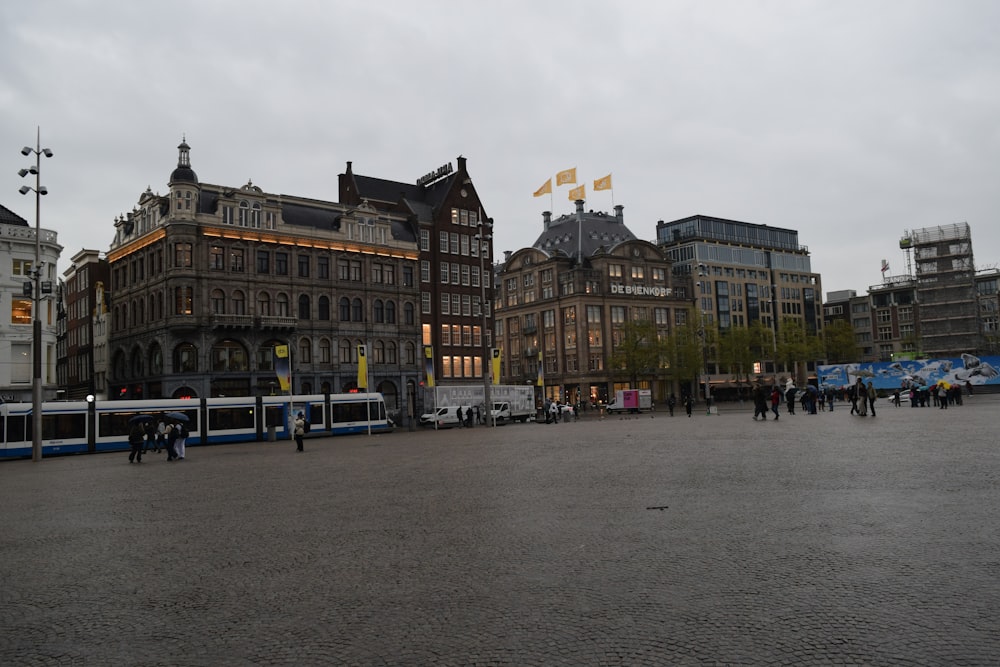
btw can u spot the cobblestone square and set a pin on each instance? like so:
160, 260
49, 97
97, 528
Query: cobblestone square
825, 539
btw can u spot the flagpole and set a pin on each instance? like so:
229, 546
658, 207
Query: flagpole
368, 389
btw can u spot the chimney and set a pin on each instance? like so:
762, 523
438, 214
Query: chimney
507, 254
461, 164
579, 207
546, 220
618, 214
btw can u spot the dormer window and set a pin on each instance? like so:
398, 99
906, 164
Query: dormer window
250, 214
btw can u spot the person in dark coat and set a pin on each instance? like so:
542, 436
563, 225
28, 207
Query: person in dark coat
688, 404
136, 436
171, 435
468, 416
671, 402
461, 419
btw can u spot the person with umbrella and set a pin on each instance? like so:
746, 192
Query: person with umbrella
180, 433
136, 436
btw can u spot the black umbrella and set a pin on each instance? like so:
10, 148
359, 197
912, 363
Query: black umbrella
139, 419
179, 416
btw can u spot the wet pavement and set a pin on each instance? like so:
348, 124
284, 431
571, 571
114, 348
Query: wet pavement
814, 539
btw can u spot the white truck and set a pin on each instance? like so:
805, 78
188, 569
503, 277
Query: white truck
631, 400
510, 402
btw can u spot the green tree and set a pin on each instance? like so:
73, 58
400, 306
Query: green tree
638, 352
796, 346
840, 344
682, 353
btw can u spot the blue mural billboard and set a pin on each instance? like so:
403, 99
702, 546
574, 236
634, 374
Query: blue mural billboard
892, 375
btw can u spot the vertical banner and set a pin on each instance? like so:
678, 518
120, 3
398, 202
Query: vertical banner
541, 374
283, 367
429, 365
496, 365
362, 368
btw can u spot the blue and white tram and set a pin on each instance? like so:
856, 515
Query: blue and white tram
77, 426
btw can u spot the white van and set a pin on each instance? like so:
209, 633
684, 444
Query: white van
445, 416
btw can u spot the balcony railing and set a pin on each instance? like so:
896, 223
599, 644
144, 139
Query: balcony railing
232, 321
278, 322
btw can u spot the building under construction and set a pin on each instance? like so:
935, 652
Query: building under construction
946, 289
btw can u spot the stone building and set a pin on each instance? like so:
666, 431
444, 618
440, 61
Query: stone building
207, 279
17, 279
82, 296
456, 247
563, 303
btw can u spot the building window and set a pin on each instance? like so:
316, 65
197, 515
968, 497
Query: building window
218, 298
324, 350
263, 261
229, 355
357, 311
20, 311
443, 242
184, 301
445, 272
323, 308
263, 304
445, 303
303, 266
378, 311
637, 273
615, 270
185, 358
239, 303
236, 260
323, 268
345, 309
281, 263
425, 240
305, 307
216, 258
183, 255
344, 351
390, 312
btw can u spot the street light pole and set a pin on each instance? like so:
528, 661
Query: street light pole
36, 270
482, 239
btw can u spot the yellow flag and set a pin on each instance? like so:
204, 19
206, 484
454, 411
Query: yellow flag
540, 380
362, 368
545, 189
564, 177
578, 193
603, 183
496, 365
429, 365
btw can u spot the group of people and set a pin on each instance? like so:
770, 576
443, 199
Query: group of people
465, 420
169, 436
862, 398
556, 411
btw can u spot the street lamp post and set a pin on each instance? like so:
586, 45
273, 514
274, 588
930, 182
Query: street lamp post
482, 239
703, 334
36, 271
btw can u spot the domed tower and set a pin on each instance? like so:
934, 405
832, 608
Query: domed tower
183, 185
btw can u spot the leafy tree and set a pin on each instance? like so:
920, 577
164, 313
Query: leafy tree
840, 343
638, 352
682, 353
796, 345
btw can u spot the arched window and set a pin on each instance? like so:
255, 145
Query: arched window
117, 318
390, 353
239, 303
119, 366
281, 305
390, 312
408, 313
324, 350
141, 310
135, 313
324, 308
305, 351
389, 394
304, 307
228, 355
344, 351
185, 358
378, 352
378, 312
325, 388
151, 307
306, 388
409, 354
124, 315
265, 355
218, 299
184, 300
136, 364
345, 309
357, 311
263, 304
155, 359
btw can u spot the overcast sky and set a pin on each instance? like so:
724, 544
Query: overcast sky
848, 121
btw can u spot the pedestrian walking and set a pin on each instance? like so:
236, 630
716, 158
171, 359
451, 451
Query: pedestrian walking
775, 401
688, 404
468, 416
461, 419
671, 402
150, 439
872, 395
299, 430
161, 437
170, 434
136, 436
181, 442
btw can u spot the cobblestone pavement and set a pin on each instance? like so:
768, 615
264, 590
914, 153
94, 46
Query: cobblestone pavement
825, 539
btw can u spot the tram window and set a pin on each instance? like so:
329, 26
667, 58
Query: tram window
316, 414
223, 419
17, 428
272, 416
64, 427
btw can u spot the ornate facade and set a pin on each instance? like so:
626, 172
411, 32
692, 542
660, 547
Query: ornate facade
206, 280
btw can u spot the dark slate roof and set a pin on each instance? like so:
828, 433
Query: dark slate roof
8, 217
318, 217
183, 175
423, 200
600, 232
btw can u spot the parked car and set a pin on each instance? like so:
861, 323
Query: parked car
446, 416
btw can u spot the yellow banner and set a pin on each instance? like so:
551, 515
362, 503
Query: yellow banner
567, 176
545, 189
429, 366
496, 365
362, 368
603, 183
578, 193
283, 367
541, 374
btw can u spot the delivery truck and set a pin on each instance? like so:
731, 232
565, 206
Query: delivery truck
631, 400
